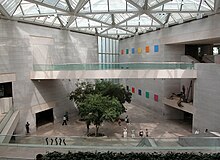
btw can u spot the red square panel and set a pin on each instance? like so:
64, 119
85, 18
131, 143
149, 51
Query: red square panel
122, 51
156, 97
133, 90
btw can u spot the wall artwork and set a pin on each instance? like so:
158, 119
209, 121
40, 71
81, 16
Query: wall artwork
133, 90
139, 92
155, 97
147, 49
132, 50
127, 51
156, 48
122, 51
139, 50
147, 95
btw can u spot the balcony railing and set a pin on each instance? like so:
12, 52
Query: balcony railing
113, 66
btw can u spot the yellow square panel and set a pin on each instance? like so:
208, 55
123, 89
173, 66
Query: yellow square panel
139, 50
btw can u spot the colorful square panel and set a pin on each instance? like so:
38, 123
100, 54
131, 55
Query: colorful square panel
133, 90
147, 49
139, 50
139, 92
122, 51
156, 97
156, 48
132, 50
127, 51
147, 94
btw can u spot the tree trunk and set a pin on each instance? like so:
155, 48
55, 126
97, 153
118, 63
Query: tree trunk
87, 126
97, 129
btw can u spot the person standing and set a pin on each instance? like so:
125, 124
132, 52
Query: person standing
27, 127
146, 132
141, 133
132, 133
64, 120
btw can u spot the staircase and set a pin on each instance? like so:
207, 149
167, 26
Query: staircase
8, 125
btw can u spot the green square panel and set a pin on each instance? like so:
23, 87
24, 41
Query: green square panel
127, 51
147, 94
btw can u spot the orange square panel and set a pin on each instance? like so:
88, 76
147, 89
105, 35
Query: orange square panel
147, 49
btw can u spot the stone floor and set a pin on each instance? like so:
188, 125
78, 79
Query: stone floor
140, 118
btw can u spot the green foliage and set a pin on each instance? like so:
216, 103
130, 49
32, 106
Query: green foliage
99, 102
107, 88
130, 156
97, 109
81, 92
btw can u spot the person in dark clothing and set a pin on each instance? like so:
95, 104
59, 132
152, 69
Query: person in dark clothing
27, 127
64, 120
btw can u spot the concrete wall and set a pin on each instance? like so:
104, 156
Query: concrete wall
160, 87
171, 42
21, 46
206, 98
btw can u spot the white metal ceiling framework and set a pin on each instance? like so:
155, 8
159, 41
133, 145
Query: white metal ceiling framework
111, 18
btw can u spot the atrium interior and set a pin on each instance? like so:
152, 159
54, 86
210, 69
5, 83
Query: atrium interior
165, 52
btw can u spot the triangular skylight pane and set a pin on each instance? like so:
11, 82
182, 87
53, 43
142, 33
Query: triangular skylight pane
18, 12
29, 8
46, 10
62, 4
56, 23
10, 5
51, 2
99, 5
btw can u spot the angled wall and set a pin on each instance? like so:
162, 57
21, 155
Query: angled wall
22, 46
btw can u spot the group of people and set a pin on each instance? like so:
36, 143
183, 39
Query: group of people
141, 133
125, 130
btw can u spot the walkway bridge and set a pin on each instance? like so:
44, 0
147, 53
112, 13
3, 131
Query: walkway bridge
128, 70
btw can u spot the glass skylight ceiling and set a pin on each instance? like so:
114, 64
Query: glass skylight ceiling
112, 18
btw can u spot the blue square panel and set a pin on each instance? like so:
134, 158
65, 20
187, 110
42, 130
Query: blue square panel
156, 48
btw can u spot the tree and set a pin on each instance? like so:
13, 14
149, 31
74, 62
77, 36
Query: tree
81, 92
105, 88
118, 91
97, 108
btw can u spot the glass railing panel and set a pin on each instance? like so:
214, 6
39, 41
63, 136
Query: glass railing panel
105, 66
70, 140
202, 143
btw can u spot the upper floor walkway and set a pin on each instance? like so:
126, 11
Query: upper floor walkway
114, 70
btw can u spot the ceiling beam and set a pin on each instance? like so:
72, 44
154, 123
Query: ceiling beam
116, 25
130, 26
79, 6
159, 4
60, 21
84, 14
126, 30
146, 11
69, 5
4, 12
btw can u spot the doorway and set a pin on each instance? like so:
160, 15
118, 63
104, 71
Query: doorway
44, 117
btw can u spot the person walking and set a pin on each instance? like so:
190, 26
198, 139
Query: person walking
64, 120
27, 127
